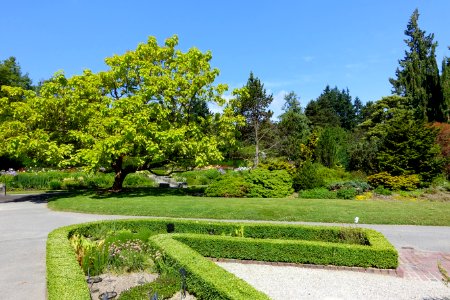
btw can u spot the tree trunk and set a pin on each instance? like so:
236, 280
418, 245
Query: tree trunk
119, 177
256, 146
120, 174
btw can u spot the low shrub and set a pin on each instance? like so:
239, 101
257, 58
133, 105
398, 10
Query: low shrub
308, 177
278, 164
204, 279
55, 184
269, 184
198, 177
259, 183
293, 251
364, 196
165, 286
346, 193
138, 180
401, 182
359, 186
380, 190
69, 180
336, 174
317, 193
229, 185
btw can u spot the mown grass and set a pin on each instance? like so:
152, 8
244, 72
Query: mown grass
172, 203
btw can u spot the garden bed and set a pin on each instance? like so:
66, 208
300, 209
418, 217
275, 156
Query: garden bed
184, 244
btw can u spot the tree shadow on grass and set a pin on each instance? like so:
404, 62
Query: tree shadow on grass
105, 194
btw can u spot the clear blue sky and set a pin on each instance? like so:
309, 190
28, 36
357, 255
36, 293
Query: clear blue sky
298, 46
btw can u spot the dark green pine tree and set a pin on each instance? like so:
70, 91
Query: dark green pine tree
11, 75
333, 108
445, 85
254, 105
293, 128
418, 74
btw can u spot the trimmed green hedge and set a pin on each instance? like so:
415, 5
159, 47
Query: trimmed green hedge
65, 279
204, 278
189, 241
292, 251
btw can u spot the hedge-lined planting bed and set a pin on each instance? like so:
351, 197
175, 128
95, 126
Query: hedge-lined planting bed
189, 241
292, 251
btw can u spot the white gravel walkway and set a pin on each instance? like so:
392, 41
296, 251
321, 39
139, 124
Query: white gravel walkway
291, 283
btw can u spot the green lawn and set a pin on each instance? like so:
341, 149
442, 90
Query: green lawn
169, 204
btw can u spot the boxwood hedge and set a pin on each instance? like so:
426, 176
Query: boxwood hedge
185, 243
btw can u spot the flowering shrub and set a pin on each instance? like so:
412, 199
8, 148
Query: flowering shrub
127, 256
10, 172
364, 196
401, 182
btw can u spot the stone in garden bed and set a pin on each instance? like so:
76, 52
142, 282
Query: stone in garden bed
119, 283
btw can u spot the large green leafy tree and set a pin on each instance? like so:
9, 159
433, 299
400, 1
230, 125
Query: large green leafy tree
253, 106
293, 127
147, 111
333, 108
11, 75
418, 74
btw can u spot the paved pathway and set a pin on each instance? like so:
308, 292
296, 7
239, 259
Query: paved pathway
24, 227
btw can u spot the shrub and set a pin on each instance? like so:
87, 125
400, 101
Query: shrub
278, 164
198, 177
138, 180
380, 190
346, 193
359, 186
228, 185
55, 184
364, 196
255, 183
401, 182
317, 193
165, 286
308, 177
336, 174
269, 184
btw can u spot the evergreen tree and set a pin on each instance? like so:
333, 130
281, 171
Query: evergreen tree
333, 108
409, 147
11, 75
293, 127
418, 74
445, 85
254, 103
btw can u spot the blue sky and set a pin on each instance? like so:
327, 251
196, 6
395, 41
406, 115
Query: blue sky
298, 46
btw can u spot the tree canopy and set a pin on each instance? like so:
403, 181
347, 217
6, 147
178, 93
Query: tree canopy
11, 75
333, 108
147, 111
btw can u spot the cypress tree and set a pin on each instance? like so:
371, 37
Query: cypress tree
418, 74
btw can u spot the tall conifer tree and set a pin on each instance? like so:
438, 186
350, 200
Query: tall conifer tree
418, 74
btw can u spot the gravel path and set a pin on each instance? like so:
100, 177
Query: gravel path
290, 283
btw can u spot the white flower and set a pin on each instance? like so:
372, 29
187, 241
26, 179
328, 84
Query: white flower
356, 220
